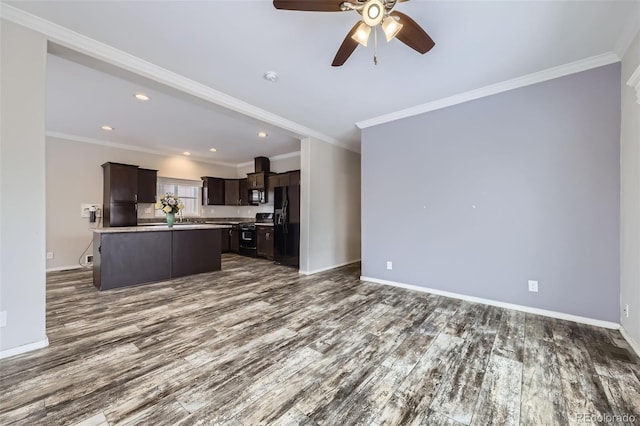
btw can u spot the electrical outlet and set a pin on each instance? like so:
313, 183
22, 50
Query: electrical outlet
49, 255
3, 318
84, 209
88, 259
626, 311
389, 265
533, 286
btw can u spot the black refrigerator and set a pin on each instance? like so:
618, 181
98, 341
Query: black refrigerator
286, 249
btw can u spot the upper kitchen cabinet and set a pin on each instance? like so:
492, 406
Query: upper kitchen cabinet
120, 182
256, 180
244, 192
232, 192
212, 191
120, 195
294, 178
147, 185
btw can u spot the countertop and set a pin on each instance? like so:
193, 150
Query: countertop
157, 228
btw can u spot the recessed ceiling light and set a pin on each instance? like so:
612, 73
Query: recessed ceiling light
262, 134
213, 150
272, 76
141, 97
107, 128
187, 153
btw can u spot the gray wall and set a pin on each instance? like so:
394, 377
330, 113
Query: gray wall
22, 191
329, 206
630, 197
480, 197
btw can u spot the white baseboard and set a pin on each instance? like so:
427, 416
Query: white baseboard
24, 348
315, 271
64, 268
635, 345
527, 309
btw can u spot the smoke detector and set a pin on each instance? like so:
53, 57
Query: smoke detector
271, 76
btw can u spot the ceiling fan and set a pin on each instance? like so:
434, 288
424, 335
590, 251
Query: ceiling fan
374, 13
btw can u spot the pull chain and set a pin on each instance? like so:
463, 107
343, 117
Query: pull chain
375, 45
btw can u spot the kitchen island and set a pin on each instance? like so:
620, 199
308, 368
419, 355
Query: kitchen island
125, 256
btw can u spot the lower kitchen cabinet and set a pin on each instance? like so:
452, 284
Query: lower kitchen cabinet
234, 239
225, 235
264, 241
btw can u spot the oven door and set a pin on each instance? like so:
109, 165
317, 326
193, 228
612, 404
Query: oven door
248, 238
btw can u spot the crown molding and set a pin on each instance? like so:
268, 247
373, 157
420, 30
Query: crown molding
82, 139
515, 83
274, 158
634, 82
103, 52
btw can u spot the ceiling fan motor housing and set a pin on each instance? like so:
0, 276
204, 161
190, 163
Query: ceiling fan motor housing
373, 12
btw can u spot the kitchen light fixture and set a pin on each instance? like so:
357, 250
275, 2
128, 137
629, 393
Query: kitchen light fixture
262, 134
372, 13
142, 97
107, 128
212, 149
187, 153
362, 34
391, 27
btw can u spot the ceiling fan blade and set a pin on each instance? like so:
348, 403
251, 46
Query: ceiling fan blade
309, 5
346, 48
412, 34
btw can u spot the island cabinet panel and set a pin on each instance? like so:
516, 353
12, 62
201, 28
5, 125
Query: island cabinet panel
195, 252
124, 259
138, 255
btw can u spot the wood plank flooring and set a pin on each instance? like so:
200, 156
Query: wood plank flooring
258, 344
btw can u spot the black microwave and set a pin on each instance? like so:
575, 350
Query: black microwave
257, 196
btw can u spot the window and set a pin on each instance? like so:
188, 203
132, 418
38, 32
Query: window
188, 191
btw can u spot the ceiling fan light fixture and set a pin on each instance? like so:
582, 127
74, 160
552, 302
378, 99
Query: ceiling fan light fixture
373, 12
362, 34
391, 27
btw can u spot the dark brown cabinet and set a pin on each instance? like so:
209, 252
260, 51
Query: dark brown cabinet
212, 191
234, 239
256, 180
272, 182
244, 192
120, 195
264, 241
236, 192
147, 185
294, 178
224, 240
283, 179
128, 258
231, 192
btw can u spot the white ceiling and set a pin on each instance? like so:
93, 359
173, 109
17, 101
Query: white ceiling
229, 45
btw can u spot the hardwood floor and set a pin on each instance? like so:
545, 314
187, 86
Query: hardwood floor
232, 348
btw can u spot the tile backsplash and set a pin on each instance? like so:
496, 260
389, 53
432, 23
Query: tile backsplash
147, 211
